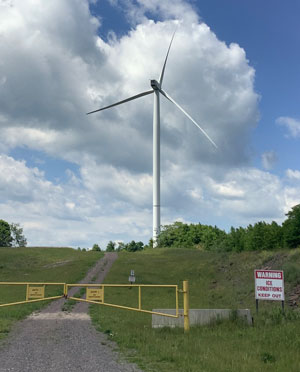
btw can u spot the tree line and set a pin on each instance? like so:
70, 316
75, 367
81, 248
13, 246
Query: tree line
260, 236
132, 246
11, 235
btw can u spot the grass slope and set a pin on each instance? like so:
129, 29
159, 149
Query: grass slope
37, 265
217, 280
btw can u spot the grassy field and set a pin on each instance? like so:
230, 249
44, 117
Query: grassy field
37, 265
217, 280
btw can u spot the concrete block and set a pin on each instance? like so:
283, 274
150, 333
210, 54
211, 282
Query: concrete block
197, 317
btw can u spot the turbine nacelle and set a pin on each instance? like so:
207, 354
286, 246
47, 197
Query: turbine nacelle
155, 85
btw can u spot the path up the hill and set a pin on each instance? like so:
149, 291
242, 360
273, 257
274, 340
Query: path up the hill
53, 340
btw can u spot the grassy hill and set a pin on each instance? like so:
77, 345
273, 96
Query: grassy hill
37, 265
217, 280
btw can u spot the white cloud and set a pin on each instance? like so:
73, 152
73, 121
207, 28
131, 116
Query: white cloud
227, 190
269, 158
69, 73
32, 137
293, 174
258, 194
138, 11
17, 182
293, 125
117, 185
60, 68
66, 214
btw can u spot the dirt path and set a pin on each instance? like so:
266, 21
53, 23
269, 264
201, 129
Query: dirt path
53, 340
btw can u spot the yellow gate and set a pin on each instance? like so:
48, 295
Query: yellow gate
33, 292
95, 294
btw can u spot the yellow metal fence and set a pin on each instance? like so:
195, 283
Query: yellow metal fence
139, 286
34, 292
95, 294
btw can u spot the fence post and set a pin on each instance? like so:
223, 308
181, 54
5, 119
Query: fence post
140, 297
27, 292
186, 306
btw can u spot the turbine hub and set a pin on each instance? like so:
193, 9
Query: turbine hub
155, 84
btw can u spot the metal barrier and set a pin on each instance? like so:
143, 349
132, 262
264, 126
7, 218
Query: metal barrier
35, 292
100, 296
95, 295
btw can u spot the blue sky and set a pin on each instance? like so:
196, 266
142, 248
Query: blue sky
269, 33
74, 180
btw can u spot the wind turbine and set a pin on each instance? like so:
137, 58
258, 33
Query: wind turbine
157, 89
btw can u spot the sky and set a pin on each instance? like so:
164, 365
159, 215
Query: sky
74, 180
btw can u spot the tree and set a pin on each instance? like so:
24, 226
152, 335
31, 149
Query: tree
96, 248
150, 244
291, 227
5, 235
273, 236
18, 238
110, 246
134, 246
256, 236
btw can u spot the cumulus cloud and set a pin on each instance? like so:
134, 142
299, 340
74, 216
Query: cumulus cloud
17, 182
60, 68
138, 11
117, 185
269, 159
293, 125
293, 174
66, 214
67, 70
257, 194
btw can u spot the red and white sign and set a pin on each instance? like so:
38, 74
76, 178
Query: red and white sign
269, 285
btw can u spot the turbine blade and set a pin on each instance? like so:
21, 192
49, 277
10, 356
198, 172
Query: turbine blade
186, 114
123, 101
164, 66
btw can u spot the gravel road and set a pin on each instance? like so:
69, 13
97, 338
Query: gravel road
53, 340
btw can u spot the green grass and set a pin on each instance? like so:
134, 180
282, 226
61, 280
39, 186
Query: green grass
64, 265
217, 280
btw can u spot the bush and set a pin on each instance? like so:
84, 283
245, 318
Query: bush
134, 247
5, 236
260, 236
110, 246
291, 227
180, 235
96, 248
11, 235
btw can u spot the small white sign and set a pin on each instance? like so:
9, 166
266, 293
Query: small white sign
131, 278
269, 285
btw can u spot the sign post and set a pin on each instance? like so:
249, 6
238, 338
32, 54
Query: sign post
131, 278
269, 285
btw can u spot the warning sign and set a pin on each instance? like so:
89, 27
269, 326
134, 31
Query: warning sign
36, 292
269, 285
94, 294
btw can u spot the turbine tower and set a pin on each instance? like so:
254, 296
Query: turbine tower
157, 90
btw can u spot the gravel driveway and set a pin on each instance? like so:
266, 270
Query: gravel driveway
53, 340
